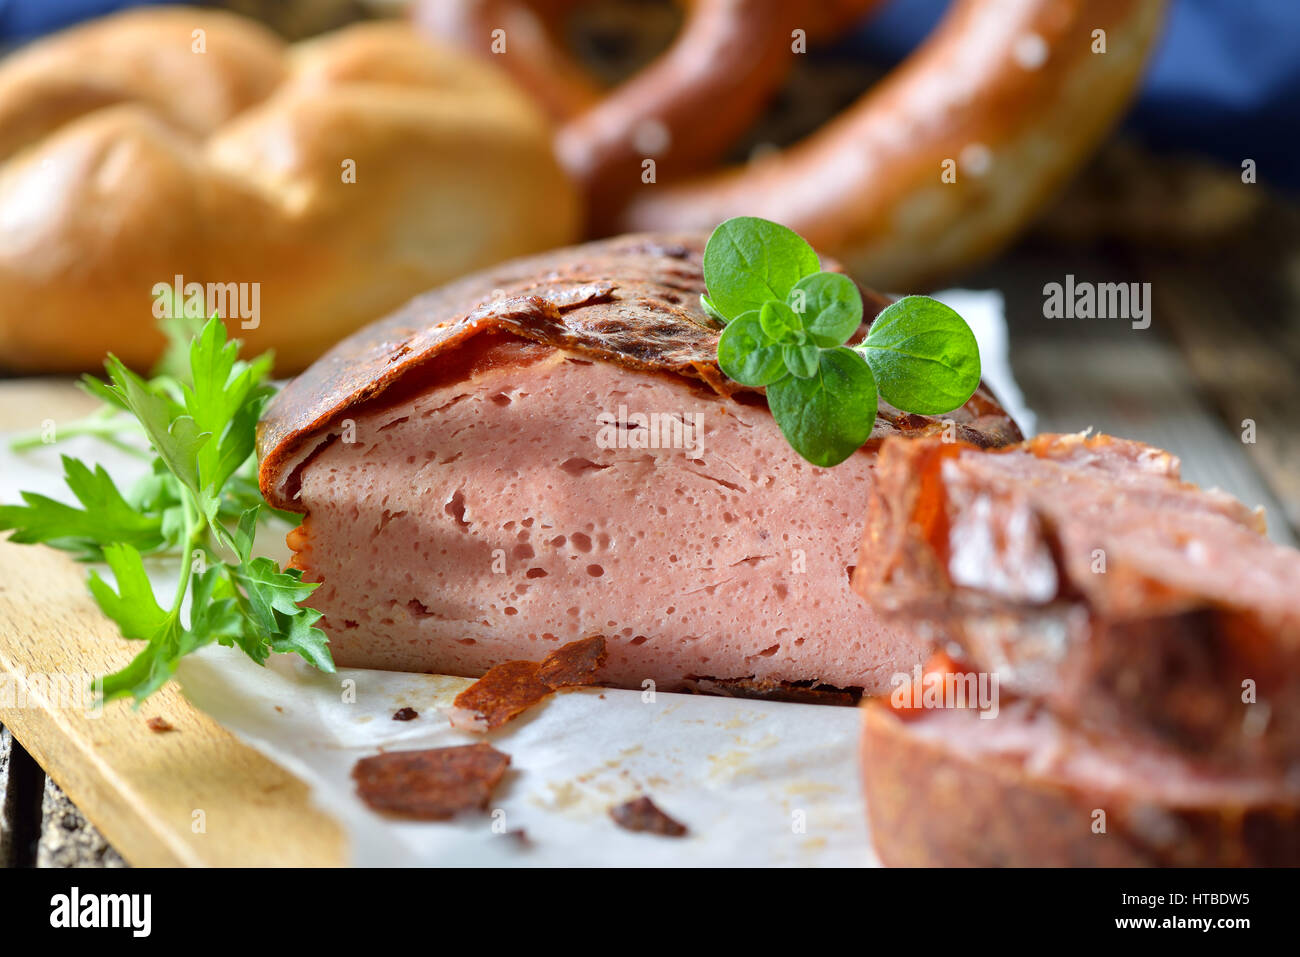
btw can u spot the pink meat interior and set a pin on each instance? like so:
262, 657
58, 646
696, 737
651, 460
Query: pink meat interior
494, 514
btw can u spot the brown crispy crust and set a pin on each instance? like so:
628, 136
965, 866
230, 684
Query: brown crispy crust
506, 691
632, 300
1128, 678
642, 814
433, 784
769, 689
573, 665
512, 687
932, 804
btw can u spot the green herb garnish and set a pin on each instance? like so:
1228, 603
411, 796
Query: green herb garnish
199, 502
787, 323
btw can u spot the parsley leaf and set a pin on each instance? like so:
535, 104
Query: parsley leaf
107, 517
175, 436
199, 502
273, 597
225, 400
133, 606
137, 613
180, 329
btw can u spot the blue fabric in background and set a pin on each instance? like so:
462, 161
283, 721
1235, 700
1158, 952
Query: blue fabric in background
25, 19
1225, 80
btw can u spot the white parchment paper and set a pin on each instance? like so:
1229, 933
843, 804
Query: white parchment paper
756, 783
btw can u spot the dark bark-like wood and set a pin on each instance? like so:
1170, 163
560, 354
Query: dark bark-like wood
21, 788
67, 838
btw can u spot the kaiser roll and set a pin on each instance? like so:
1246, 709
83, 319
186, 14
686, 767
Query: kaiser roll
299, 190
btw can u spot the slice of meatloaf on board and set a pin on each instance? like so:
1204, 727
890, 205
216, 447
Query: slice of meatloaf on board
547, 451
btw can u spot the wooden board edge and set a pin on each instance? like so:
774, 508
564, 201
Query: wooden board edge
143, 789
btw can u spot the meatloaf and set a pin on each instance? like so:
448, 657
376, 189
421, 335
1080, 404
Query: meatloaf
547, 451
947, 789
1145, 637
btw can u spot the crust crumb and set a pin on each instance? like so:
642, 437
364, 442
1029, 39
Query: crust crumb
433, 784
512, 687
642, 814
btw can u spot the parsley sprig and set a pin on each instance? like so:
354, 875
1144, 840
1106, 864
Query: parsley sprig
199, 501
787, 325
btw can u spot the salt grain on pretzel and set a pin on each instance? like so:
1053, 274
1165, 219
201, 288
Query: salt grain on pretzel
1038, 84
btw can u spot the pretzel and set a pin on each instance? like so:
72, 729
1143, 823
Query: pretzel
696, 99
129, 157
932, 170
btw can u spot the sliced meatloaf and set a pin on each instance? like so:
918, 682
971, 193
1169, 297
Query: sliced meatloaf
547, 451
1088, 575
1143, 636
947, 789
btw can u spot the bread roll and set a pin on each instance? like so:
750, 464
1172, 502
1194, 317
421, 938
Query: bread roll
328, 181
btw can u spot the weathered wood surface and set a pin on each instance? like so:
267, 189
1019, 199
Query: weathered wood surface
1181, 384
191, 796
1236, 321
39, 825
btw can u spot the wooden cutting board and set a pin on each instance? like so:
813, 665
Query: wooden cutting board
191, 796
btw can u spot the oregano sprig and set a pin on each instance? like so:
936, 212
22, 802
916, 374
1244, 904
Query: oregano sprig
787, 325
